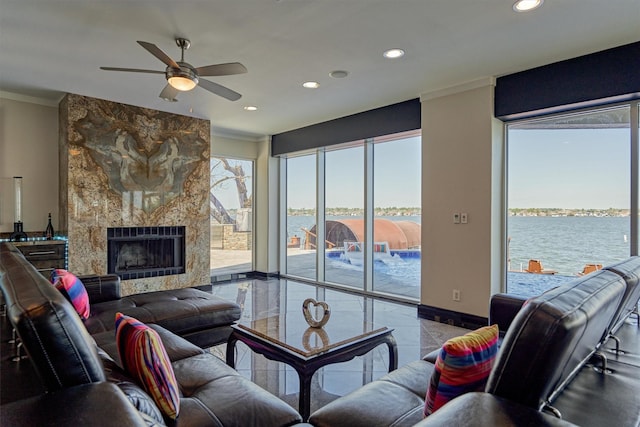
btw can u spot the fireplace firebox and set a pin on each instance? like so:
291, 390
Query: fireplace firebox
139, 252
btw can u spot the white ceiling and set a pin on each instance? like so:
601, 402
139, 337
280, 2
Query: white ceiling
50, 47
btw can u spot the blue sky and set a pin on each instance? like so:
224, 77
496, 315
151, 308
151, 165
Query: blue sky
396, 181
559, 168
569, 168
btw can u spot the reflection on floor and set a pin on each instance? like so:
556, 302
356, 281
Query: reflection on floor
260, 298
263, 298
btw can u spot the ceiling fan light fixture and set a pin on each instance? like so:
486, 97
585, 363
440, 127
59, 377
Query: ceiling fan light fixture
182, 79
182, 83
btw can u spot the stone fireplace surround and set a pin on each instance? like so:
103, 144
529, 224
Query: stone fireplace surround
126, 166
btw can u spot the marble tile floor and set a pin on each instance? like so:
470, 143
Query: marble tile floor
261, 298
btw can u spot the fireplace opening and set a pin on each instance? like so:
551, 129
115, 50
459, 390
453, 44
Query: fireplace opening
138, 252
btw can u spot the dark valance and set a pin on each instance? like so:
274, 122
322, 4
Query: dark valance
600, 78
401, 117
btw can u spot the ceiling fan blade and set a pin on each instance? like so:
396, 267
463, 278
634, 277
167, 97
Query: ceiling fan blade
219, 90
155, 51
131, 70
222, 69
169, 93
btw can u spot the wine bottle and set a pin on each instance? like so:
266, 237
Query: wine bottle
48, 233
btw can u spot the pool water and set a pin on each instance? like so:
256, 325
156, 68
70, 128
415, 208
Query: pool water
405, 266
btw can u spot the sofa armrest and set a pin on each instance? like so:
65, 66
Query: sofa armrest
102, 288
87, 404
484, 409
503, 309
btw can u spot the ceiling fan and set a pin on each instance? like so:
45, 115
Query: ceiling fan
182, 76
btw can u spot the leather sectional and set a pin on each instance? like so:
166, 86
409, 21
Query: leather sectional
557, 365
81, 371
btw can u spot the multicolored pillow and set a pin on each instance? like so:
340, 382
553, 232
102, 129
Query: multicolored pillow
73, 289
463, 365
144, 357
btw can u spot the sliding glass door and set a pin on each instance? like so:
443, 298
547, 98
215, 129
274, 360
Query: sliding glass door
354, 215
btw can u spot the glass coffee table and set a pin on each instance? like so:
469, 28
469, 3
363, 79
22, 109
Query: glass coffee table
307, 350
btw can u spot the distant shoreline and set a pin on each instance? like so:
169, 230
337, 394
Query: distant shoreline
557, 212
413, 211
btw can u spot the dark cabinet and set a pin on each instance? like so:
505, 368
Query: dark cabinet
45, 255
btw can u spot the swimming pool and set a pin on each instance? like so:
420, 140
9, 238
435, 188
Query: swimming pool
400, 265
404, 266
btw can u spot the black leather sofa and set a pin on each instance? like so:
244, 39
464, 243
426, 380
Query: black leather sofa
82, 375
556, 365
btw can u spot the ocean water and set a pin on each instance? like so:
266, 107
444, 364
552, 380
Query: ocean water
564, 244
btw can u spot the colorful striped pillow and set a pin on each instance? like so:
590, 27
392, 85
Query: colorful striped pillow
144, 357
463, 365
73, 289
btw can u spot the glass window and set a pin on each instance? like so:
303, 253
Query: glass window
301, 216
397, 215
231, 216
344, 216
568, 197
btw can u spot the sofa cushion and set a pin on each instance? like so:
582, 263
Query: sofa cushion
395, 399
463, 365
213, 394
73, 289
143, 356
180, 310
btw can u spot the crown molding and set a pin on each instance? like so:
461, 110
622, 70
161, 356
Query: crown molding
237, 135
30, 99
463, 87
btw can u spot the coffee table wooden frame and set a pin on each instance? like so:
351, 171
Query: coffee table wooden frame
307, 366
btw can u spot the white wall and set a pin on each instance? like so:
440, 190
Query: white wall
461, 172
28, 148
224, 146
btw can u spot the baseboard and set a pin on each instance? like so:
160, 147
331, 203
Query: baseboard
223, 278
265, 276
455, 318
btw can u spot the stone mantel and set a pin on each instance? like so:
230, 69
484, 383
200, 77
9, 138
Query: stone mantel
126, 166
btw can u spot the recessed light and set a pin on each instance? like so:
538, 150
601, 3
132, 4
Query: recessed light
339, 74
527, 5
393, 53
250, 108
169, 99
311, 85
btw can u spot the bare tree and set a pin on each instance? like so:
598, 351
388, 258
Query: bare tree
234, 173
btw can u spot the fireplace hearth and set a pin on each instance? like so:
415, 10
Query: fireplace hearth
140, 252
